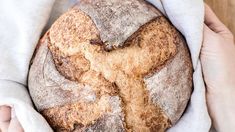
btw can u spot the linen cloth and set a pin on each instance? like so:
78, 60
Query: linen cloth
22, 23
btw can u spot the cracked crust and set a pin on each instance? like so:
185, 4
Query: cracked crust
142, 83
110, 15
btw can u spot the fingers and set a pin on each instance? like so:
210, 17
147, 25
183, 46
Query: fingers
208, 34
5, 117
4, 126
9, 122
15, 126
213, 22
211, 19
5, 113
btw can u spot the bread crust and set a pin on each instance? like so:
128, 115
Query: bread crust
117, 20
142, 83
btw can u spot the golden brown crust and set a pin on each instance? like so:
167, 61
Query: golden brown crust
65, 103
125, 67
117, 20
170, 86
69, 116
78, 85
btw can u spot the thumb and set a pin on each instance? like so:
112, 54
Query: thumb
213, 22
208, 37
207, 32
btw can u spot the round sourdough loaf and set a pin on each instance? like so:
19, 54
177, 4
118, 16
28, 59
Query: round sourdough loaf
111, 65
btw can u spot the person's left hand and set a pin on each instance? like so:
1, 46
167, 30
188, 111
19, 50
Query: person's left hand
9, 122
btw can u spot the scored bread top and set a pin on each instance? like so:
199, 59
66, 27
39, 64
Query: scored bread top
147, 69
117, 20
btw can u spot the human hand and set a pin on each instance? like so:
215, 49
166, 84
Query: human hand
218, 64
9, 122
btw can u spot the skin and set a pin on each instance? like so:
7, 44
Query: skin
9, 122
218, 64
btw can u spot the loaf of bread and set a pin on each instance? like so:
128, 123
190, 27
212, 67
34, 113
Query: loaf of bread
112, 66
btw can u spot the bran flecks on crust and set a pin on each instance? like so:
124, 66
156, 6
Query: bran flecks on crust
125, 67
82, 80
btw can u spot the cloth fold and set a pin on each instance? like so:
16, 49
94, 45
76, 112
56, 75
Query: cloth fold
21, 24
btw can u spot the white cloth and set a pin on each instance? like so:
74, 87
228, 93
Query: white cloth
22, 22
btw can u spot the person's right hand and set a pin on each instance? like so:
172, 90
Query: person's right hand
9, 122
218, 64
